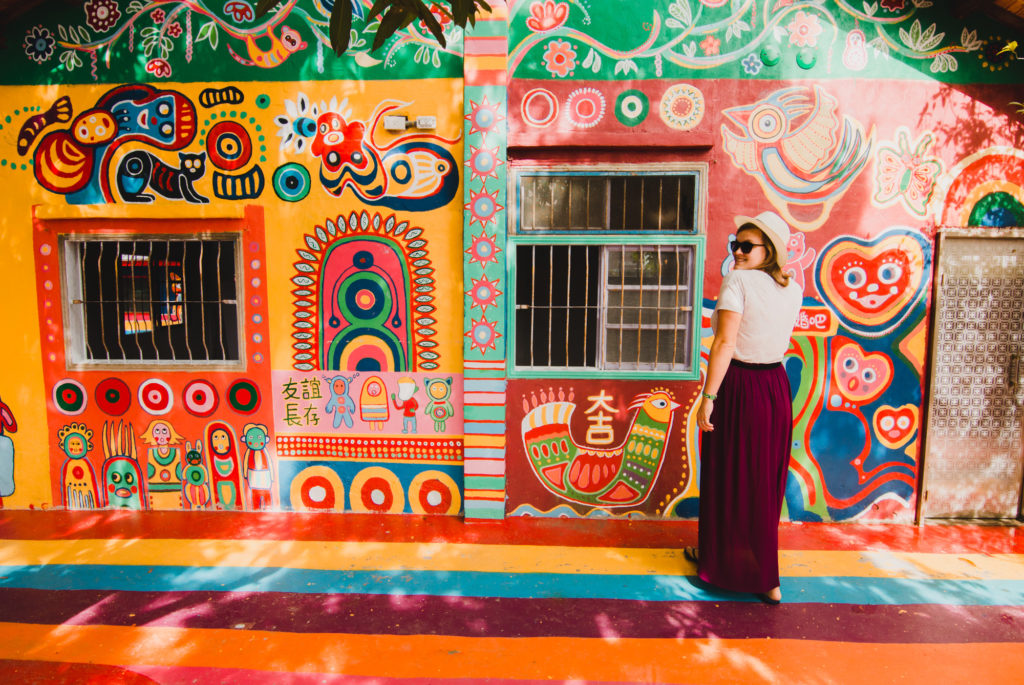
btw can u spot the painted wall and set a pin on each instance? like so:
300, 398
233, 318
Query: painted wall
375, 262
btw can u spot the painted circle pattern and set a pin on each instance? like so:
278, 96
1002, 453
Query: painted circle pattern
539, 108
113, 396
631, 107
585, 107
682, 107
317, 488
229, 146
244, 396
434, 492
69, 397
292, 182
155, 397
376, 490
200, 398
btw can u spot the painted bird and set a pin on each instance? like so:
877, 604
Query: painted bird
800, 149
607, 477
1010, 47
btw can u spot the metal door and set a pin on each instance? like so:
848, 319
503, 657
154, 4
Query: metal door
974, 461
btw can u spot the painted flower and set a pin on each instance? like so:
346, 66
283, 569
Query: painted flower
547, 15
560, 58
710, 45
893, 5
804, 30
39, 44
239, 10
158, 67
442, 18
173, 30
752, 64
158, 16
101, 15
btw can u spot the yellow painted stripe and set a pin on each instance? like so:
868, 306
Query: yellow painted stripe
483, 440
483, 62
447, 658
362, 556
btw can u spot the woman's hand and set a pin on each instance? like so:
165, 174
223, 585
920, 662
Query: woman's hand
704, 414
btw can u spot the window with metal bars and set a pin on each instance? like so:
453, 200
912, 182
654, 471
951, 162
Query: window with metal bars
607, 271
151, 300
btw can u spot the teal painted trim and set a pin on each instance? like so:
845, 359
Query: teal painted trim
488, 29
484, 413
604, 238
484, 483
484, 509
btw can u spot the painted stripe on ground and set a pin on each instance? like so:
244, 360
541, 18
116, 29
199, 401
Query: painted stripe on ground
711, 660
836, 590
365, 556
513, 617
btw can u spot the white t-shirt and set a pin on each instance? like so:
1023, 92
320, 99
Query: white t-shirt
769, 313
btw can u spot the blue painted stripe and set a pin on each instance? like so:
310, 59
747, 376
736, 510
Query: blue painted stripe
477, 428
482, 453
828, 590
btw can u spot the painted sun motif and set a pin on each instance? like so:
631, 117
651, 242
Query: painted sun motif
484, 116
483, 162
484, 293
483, 207
483, 334
483, 250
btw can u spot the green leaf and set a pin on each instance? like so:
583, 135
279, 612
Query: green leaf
428, 18
341, 26
389, 24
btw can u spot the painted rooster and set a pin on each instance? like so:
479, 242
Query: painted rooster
802, 151
607, 477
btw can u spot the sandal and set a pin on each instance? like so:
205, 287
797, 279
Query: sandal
690, 554
767, 599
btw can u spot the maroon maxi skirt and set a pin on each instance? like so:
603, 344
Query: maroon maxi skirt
743, 465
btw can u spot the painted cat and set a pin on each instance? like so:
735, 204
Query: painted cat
140, 168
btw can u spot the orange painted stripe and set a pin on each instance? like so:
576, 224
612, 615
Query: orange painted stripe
576, 659
497, 495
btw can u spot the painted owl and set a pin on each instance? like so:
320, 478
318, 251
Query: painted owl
801, 150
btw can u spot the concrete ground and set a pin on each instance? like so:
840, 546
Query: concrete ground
192, 597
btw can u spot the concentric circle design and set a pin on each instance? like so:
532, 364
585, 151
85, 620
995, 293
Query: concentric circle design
767, 124
69, 397
317, 488
539, 108
631, 107
585, 107
229, 146
113, 396
291, 182
244, 396
434, 492
682, 107
155, 397
200, 398
376, 490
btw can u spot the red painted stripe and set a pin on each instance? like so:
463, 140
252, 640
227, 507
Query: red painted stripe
50, 525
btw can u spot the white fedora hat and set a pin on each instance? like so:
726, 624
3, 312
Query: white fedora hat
775, 228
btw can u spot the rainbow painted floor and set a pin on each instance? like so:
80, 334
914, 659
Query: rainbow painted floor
224, 598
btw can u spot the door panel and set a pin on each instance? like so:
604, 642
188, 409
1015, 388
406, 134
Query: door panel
974, 463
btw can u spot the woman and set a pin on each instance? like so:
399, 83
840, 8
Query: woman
746, 415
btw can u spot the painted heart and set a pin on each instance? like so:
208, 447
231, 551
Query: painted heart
872, 285
894, 426
858, 377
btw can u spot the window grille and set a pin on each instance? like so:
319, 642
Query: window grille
607, 272
152, 300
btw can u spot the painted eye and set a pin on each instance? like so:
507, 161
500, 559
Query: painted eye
163, 109
167, 130
869, 375
324, 128
903, 422
357, 157
115, 477
887, 423
333, 158
336, 125
890, 273
855, 278
850, 365
305, 126
129, 479
767, 124
659, 404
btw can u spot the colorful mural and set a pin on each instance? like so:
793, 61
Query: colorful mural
7, 425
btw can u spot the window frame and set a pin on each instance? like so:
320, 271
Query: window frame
75, 352
697, 239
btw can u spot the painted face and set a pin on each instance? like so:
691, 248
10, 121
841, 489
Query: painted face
94, 127
338, 144
757, 254
193, 458
167, 119
339, 387
121, 479
871, 284
895, 425
161, 433
859, 377
438, 390
74, 445
291, 39
220, 441
255, 438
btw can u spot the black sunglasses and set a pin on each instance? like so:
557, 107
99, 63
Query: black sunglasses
745, 247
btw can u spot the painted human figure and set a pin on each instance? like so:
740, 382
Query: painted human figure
163, 465
257, 468
77, 477
406, 403
341, 403
439, 405
7, 425
373, 403
123, 485
196, 478
226, 474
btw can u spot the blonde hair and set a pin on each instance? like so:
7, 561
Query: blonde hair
147, 436
770, 265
